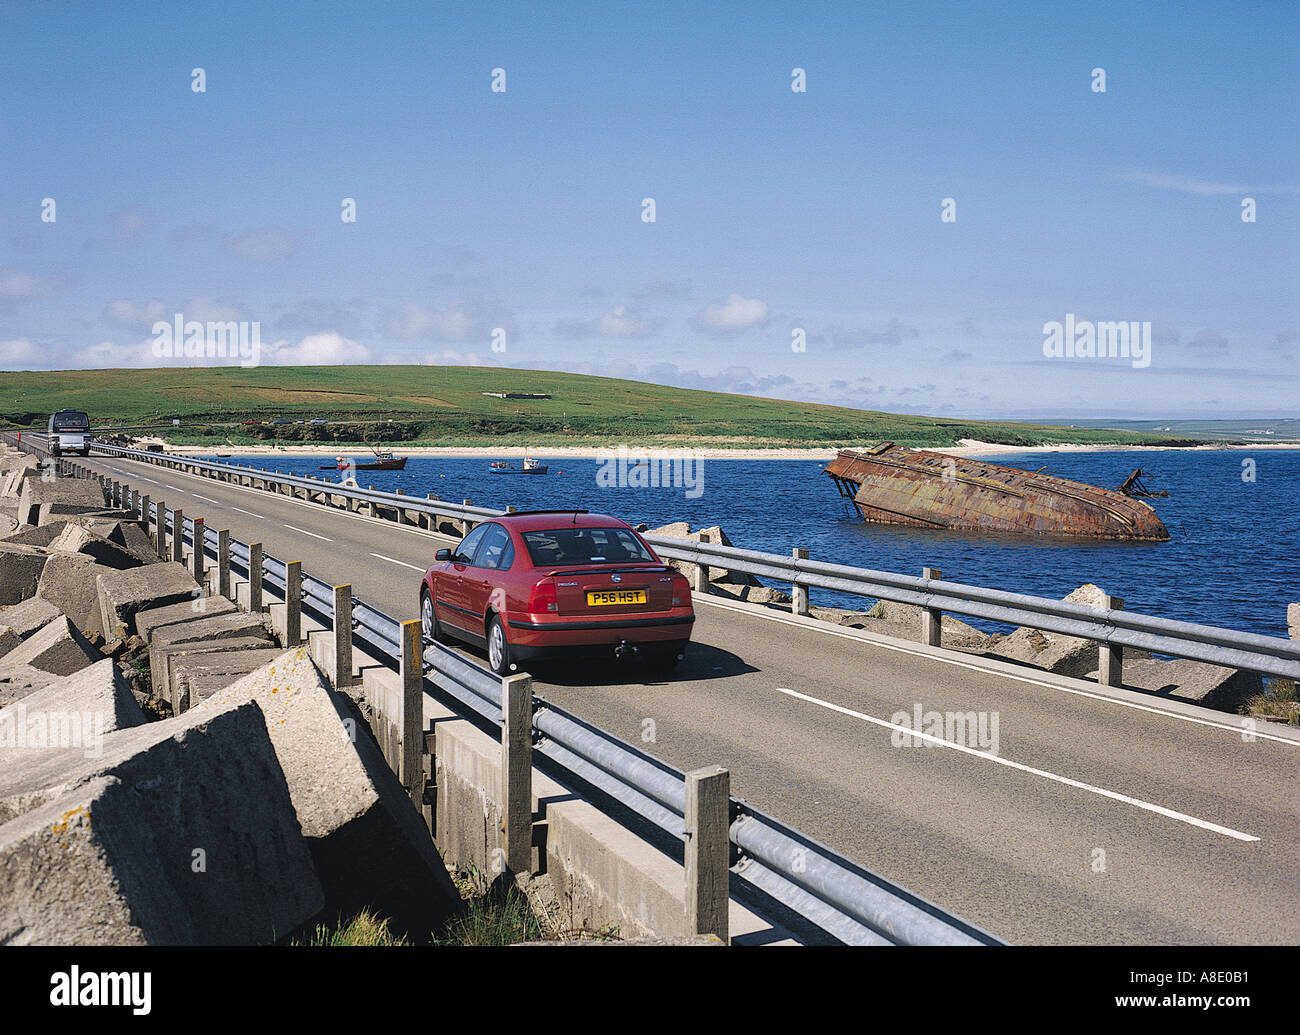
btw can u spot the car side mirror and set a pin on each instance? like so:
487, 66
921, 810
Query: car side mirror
442, 555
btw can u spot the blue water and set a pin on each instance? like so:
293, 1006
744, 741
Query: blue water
1233, 560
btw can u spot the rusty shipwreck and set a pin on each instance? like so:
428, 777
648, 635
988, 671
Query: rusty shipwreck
894, 485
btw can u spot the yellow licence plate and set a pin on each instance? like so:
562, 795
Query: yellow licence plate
606, 597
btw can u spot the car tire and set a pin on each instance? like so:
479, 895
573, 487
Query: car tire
498, 647
430, 628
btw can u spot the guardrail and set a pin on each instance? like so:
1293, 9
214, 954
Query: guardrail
772, 860
1111, 627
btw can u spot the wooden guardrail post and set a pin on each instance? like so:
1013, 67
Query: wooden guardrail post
465, 522
702, 570
198, 557
708, 851
342, 637
412, 719
144, 512
178, 535
223, 562
517, 773
931, 617
160, 523
1110, 656
293, 603
798, 593
254, 578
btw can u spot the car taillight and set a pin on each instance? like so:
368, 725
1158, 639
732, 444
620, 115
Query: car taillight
543, 598
681, 591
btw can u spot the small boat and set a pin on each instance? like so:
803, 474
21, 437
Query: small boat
529, 466
384, 461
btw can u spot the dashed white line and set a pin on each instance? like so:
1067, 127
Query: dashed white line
249, 513
394, 560
312, 534
826, 629
205, 499
1182, 817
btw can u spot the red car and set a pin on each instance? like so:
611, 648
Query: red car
550, 583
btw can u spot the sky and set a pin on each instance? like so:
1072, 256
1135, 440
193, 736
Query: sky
898, 235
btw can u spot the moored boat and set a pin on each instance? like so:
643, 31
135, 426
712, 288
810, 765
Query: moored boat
894, 485
530, 466
384, 461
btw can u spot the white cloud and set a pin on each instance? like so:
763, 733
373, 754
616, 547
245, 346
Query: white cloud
1186, 184
263, 245
133, 314
17, 286
315, 350
735, 314
18, 354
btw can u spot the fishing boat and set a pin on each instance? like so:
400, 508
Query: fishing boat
529, 466
384, 461
890, 484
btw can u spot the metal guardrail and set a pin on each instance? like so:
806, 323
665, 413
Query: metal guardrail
1269, 655
849, 902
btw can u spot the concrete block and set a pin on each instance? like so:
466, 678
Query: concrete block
1293, 620
81, 540
194, 676
19, 681
27, 617
68, 583
41, 501
120, 527
161, 654
158, 617
123, 594
20, 570
8, 640
181, 833
1210, 685
57, 648
35, 535
369, 842
74, 711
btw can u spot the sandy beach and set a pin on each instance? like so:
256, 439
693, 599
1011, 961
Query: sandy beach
968, 447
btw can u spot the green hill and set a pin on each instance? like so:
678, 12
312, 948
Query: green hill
446, 405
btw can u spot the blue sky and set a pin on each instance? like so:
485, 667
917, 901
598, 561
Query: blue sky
774, 210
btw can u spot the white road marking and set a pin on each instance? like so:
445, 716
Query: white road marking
312, 534
249, 513
394, 560
205, 499
174, 488
826, 629
1182, 817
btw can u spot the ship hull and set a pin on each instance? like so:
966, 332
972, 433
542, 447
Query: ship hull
892, 485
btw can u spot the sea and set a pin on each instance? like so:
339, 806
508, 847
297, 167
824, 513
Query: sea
1233, 559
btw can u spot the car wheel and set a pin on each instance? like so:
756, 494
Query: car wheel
498, 647
430, 628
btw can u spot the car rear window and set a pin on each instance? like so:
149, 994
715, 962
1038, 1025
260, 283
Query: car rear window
584, 546
71, 422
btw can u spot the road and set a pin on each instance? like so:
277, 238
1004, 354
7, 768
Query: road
1098, 821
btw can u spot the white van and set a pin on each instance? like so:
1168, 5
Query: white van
69, 432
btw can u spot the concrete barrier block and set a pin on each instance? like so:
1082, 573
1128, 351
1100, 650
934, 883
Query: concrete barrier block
19, 681
41, 501
370, 843
57, 648
27, 617
146, 622
194, 676
20, 570
161, 655
81, 540
35, 535
68, 583
182, 833
123, 594
8, 640
74, 711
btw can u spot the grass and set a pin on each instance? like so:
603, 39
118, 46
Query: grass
363, 929
878, 610
1279, 700
437, 405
